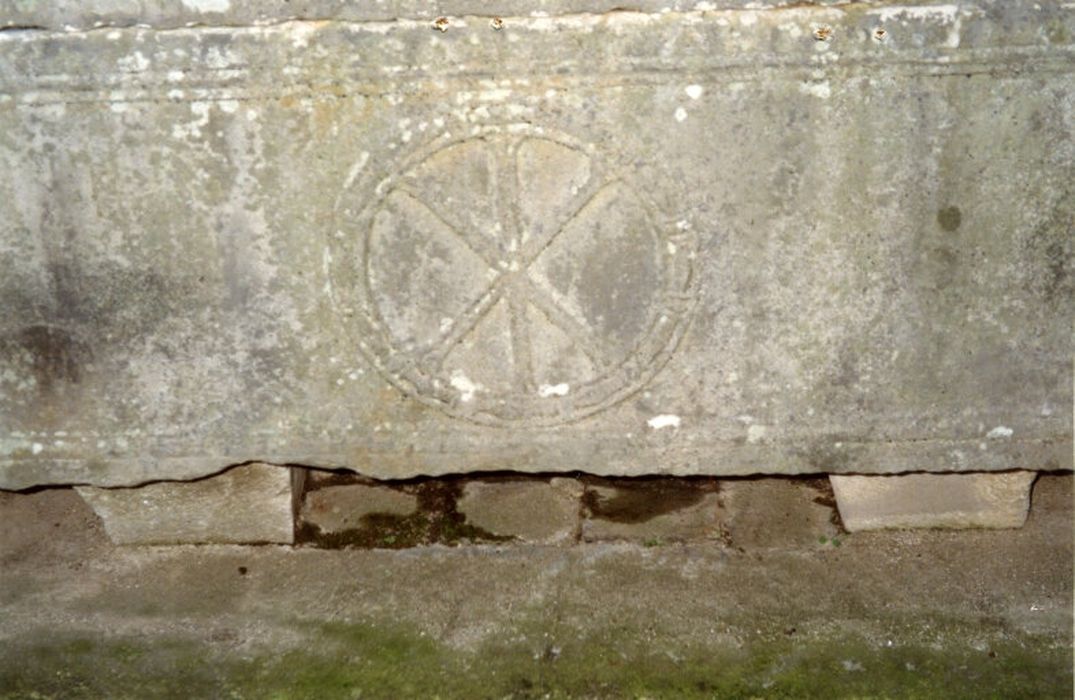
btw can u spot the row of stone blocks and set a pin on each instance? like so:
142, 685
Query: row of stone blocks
263, 503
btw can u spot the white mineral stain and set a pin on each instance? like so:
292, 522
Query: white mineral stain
207, 5
748, 19
680, 114
135, 63
463, 385
999, 432
793, 30
945, 13
694, 91
820, 90
756, 433
952, 41
216, 57
300, 33
498, 95
36, 448
363, 158
194, 128
665, 420
547, 390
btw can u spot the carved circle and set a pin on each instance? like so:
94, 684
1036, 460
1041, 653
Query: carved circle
511, 278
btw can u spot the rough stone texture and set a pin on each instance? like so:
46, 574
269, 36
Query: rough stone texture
248, 504
653, 511
776, 512
334, 509
719, 239
928, 614
540, 512
933, 500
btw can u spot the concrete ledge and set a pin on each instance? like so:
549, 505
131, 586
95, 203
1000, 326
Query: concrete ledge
999, 500
249, 504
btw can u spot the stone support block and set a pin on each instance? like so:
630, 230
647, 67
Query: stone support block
653, 510
249, 504
985, 500
536, 511
778, 512
346, 507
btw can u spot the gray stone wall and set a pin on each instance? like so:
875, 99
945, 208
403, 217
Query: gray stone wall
682, 239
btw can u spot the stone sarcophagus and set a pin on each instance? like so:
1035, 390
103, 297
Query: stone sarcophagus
685, 238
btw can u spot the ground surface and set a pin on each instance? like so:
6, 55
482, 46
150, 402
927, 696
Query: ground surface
904, 614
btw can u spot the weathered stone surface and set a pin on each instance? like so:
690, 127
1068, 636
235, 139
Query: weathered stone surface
933, 500
653, 511
252, 503
715, 240
539, 511
777, 512
334, 509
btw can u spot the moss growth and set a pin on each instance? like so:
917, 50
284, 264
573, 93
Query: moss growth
375, 661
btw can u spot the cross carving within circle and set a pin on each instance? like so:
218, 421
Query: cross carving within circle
510, 278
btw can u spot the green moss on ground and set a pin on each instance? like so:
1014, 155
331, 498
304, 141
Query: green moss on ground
361, 660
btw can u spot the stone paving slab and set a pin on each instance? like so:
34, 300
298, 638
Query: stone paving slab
714, 240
